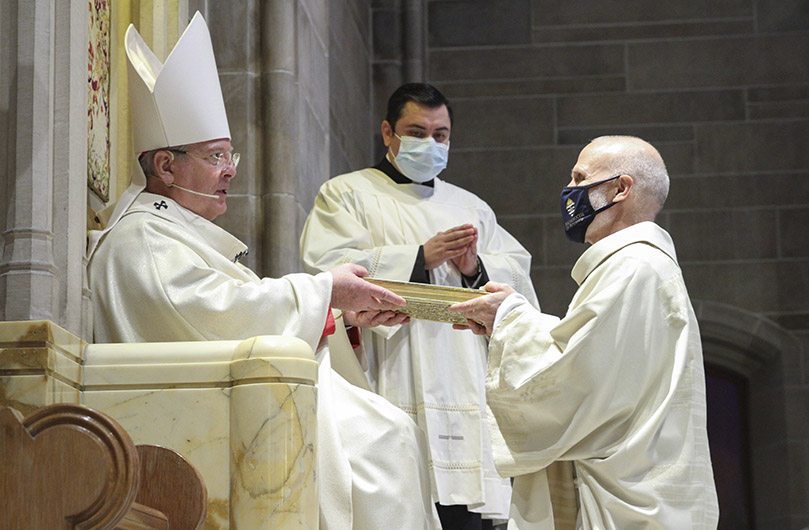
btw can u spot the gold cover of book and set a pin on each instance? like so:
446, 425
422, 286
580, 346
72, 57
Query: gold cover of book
429, 302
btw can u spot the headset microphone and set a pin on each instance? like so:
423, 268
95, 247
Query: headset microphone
194, 192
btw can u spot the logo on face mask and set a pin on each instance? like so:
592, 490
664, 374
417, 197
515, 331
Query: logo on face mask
570, 207
578, 212
421, 159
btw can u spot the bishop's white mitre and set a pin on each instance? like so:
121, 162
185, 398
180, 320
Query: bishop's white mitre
174, 103
179, 102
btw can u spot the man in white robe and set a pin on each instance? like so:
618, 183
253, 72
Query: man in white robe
166, 274
163, 271
617, 386
401, 222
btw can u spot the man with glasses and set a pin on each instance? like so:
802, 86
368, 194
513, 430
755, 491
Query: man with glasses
185, 188
197, 176
162, 271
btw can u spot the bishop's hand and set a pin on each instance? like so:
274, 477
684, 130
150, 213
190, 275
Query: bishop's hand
351, 293
369, 319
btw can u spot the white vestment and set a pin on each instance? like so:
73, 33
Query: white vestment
427, 369
164, 273
617, 386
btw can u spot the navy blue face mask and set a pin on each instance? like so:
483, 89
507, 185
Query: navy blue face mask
577, 212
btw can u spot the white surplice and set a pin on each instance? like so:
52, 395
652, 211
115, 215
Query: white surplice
163, 273
427, 369
617, 386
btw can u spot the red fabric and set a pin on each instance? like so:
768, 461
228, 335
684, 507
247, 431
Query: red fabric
354, 336
330, 326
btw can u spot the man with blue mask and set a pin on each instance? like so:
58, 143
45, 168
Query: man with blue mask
617, 386
401, 221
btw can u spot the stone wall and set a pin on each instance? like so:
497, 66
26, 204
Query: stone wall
350, 89
722, 89
239, 61
398, 55
297, 84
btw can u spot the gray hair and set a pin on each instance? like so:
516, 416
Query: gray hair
146, 160
641, 161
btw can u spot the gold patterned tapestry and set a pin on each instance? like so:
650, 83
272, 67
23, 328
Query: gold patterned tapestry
98, 105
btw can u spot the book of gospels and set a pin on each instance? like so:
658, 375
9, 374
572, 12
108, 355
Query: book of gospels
429, 302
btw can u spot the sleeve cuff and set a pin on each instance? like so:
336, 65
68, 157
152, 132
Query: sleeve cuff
513, 300
480, 278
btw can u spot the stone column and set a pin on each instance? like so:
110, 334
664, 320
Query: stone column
279, 111
398, 36
73, 311
45, 136
413, 40
295, 78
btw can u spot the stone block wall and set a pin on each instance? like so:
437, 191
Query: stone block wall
722, 90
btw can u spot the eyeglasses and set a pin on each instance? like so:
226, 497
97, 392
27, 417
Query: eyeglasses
220, 160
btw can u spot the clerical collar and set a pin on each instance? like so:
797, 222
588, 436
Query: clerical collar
396, 176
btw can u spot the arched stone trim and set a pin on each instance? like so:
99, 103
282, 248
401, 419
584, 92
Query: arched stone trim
739, 340
770, 358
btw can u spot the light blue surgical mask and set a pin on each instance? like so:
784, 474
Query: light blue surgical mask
421, 159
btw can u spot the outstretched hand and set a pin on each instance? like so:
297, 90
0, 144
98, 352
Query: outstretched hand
351, 293
480, 311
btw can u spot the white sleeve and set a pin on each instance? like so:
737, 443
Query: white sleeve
334, 234
513, 300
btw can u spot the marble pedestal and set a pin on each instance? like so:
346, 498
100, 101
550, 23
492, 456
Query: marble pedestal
243, 412
40, 364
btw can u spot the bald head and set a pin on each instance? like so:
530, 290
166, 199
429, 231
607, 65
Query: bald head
628, 155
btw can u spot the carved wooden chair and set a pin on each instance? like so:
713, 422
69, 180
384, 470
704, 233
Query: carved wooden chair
68, 466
